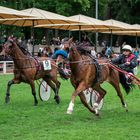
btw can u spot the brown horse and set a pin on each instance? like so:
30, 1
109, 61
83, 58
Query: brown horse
27, 69
46, 52
85, 73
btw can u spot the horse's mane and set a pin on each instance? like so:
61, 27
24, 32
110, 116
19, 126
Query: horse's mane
83, 49
65, 39
25, 52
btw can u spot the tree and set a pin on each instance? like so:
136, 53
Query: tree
123, 10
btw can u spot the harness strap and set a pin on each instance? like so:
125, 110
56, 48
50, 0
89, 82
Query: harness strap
37, 63
97, 66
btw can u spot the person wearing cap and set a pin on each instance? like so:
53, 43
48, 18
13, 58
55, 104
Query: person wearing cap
126, 61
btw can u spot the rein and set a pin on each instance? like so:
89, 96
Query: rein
87, 60
110, 65
122, 71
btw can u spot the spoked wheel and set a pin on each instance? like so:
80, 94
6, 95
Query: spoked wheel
44, 91
92, 96
135, 70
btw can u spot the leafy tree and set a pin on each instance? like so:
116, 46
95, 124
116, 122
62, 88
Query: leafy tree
123, 10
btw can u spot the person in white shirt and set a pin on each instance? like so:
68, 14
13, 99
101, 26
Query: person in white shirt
93, 52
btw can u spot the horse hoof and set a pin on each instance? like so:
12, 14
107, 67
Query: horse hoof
97, 113
98, 116
95, 105
69, 112
36, 103
7, 99
57, 99
126, 110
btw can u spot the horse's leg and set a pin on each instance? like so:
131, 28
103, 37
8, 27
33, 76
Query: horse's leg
33, 92
114, 80
84, 101
56, 97
102, 93
115, 84
11, 82
7, 98
55, 85
81, 87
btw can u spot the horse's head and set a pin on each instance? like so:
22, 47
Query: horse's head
9, 46
74, 53
66, 43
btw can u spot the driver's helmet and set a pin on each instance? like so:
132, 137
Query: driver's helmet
127, 47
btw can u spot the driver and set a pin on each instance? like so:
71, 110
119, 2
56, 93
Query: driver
61, 55
126, 61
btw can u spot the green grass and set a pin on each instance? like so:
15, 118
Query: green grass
20, 120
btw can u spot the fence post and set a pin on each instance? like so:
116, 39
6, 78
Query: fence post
4, 67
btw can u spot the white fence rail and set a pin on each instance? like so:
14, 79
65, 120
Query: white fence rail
6, 67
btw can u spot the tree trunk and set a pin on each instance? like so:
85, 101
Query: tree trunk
107, 15
47, 35
56, 33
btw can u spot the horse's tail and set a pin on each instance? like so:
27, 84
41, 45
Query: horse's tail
127, 86
62, 74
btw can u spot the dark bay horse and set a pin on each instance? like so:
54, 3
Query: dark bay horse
84, 74
27, 69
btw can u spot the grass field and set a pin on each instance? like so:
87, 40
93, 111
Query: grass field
20, 120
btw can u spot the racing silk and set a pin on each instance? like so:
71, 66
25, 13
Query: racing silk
128, 59
122, 59
63, 53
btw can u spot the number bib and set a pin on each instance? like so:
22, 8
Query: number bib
47, 65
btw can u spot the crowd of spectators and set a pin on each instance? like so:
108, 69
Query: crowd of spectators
48, 50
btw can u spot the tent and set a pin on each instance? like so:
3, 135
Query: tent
12, 13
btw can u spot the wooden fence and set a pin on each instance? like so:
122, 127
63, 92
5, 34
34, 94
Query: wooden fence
6, 67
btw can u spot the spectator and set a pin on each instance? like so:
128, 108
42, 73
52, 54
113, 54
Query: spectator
103, 52
103, 44
108, 52
29, 46
44, 41
85, 40
93, 52
117, 44
99, 55
136, 52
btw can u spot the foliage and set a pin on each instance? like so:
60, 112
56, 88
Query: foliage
123, 10
128, 10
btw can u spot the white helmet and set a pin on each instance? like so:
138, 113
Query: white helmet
127, 47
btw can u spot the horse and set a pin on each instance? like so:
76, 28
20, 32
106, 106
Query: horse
45, 51
27, 69
86, 73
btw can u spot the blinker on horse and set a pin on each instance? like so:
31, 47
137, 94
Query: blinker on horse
28, 69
